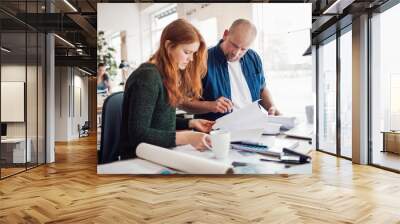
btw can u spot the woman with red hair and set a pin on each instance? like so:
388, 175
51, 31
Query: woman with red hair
154, 90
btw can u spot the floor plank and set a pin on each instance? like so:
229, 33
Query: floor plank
70, 191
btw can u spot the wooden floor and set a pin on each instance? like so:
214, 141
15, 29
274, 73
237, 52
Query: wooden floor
70, 191
10, 171
387, 159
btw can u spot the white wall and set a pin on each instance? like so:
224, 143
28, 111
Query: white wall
68, 81
13, 73
80, 83
61, 103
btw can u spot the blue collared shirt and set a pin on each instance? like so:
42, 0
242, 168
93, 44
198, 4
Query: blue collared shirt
216, 82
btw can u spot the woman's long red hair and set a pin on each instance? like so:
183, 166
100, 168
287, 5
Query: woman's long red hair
181, 85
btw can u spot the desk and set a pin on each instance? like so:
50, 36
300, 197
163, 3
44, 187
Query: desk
139, 166
391, 141
13, 150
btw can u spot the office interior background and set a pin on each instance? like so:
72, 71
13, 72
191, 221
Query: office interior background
25, 49
45, 81
48, 77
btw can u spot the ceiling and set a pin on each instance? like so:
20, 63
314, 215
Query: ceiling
76, 23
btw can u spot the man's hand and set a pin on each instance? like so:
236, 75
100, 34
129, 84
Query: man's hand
273, 111
221, 105
201, 125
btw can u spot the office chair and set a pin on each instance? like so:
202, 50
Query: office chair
84, 129
110, 128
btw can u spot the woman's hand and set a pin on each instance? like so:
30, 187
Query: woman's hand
196, 139
201, 125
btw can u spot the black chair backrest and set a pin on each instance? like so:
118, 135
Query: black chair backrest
86, 126
110, 128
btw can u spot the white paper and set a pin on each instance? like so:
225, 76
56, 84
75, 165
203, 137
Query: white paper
287, 122
249, 117
253, 116
132, 166
181, 161
272, 128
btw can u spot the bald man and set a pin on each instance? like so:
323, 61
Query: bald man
235, 77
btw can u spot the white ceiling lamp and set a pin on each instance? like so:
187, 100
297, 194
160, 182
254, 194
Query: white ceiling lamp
337, 7
70, 5
65, 41
5, 50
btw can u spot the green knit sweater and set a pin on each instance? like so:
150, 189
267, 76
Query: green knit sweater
146, 114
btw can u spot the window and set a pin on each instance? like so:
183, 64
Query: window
22, 67
327, 95
385, 83
281, 43
117, 79
346, 93
116, 44
160, 20
395, 101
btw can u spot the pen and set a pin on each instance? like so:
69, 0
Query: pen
270, 160
283, 161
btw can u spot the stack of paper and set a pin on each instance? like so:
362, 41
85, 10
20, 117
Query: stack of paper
286, 122
254, 117
272, 128
304, 131
249, 117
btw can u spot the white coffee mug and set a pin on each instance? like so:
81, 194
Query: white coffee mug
221, 143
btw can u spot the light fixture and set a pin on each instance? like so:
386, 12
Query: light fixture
5, 50
64, 40
70, 5
337, 7
86, 72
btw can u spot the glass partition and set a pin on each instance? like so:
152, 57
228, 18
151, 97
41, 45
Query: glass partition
346, 93
385, 89
13, 86
327, 95
31, 98
22, 78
